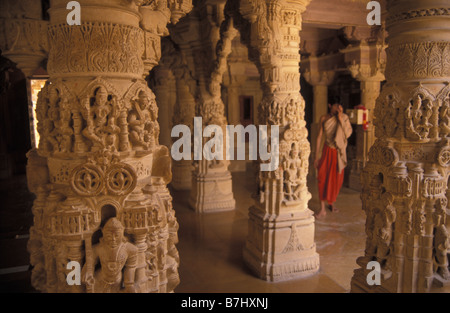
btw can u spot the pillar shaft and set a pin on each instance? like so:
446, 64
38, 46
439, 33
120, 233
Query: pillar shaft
370, 77
320, 102
184, 113
406, 178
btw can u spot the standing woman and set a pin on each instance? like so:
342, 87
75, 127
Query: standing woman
336, 128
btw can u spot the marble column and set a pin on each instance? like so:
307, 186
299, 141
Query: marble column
280, 244
99, 170
405, 181
370, 78
206, 57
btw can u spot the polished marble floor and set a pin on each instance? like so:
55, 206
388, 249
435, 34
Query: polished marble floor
210, 245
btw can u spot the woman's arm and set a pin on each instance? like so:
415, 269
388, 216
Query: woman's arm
319, 142
345, 122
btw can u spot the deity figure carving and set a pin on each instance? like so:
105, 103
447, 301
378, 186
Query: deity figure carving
144, 128
292, 114
292, 165
117, 258
63, 125
50, 118
101, 118
445, 118
441, 246
418, 115
384, 233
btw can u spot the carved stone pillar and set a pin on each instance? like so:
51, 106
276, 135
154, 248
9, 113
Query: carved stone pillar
280, 243
370, 78
206, 56
405, 181
103, 200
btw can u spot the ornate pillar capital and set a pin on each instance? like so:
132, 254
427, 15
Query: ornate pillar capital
23, 34
319, 78
367, 72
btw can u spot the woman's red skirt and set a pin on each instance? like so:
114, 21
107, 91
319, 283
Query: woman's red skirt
330, 181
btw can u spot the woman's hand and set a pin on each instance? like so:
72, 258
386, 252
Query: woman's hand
340, 113
316, 163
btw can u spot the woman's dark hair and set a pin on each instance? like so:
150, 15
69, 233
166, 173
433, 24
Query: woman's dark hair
332, 99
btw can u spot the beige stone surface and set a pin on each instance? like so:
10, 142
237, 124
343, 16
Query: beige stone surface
99, 172
405, 183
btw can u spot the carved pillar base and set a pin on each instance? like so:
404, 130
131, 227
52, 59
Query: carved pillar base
182, 175
212, 192
281, 249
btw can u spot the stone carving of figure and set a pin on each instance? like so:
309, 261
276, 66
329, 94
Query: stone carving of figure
445, 118
116, 256
63, 125
101, 118
292, 115
292, 166
384, 230
441, 246
49, 130
418, 115
144, 128
425, 126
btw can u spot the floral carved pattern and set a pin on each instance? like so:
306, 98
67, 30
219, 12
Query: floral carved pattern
100, 48
420, 60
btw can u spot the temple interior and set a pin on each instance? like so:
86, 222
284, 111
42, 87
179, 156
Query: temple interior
89, 100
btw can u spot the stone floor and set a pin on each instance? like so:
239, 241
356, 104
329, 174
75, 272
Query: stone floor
210, 245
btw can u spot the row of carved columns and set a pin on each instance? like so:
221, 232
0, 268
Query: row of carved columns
100, 172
